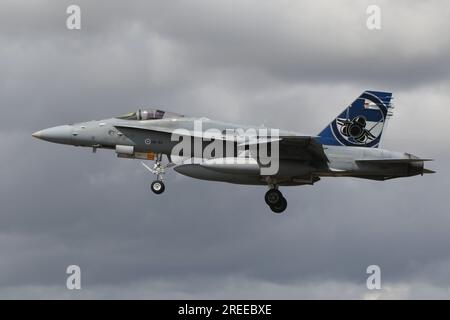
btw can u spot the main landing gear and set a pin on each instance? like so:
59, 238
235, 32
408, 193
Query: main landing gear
275, 200
159, 170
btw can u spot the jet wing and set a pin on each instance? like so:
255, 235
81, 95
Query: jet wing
297, 148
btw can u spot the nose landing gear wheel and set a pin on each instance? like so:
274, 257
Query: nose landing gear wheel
159, 170
157, 187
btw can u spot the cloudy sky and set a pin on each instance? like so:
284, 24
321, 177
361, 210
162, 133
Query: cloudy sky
288, 64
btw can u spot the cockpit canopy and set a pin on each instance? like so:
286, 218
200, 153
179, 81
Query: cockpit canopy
151, 114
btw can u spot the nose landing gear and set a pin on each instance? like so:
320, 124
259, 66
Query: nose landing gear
159, 170
157, 186
275, 200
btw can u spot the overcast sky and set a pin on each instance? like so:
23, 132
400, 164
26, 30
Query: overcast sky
288, 64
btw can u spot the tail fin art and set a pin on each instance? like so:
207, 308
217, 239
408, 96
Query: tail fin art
361, 124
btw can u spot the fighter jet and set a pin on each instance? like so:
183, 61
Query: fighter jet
347, 147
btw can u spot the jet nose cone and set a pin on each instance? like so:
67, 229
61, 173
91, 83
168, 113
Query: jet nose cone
37, 134
60, 134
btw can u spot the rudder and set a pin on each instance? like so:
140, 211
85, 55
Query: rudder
361, 124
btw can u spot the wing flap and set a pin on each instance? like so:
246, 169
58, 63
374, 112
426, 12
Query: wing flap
302, 148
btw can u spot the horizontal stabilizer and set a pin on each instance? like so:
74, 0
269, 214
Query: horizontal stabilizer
392, 161
428, 171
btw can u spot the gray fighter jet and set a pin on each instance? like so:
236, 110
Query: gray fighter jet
212, 150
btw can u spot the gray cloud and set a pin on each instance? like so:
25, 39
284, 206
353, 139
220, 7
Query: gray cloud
288, 64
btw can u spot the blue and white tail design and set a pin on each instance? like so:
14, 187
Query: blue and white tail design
361, 124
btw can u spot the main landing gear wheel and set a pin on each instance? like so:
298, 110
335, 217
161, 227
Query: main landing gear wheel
157, 187
280, 206
272, 197
275, 200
